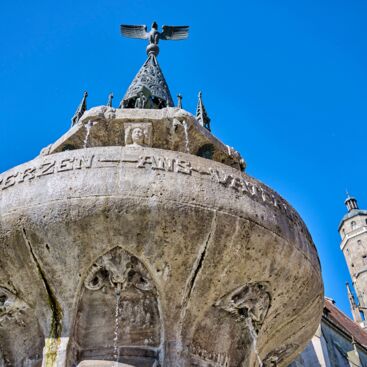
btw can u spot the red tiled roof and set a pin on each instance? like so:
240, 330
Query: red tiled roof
342, 321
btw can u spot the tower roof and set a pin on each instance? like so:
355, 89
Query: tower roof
150, 83
351, 202
353, 209
343, 322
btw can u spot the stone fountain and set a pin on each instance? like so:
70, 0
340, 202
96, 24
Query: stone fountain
136, 239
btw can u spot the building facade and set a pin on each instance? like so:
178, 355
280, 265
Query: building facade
353, 232
339, 340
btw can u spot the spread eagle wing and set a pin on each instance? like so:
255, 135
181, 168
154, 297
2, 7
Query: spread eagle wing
174, 32
134, 31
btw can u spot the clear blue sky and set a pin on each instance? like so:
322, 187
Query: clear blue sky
285, 83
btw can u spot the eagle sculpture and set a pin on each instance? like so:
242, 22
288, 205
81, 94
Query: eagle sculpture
153, 36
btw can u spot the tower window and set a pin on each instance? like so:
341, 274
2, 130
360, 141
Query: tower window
359, 243
362, 315
364, 259
353, 225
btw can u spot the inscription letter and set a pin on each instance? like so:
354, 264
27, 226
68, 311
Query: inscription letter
183, 167
9, 181
46, 169
224, 179
85, 162
65, 165
164, 164
29, 174
146, 159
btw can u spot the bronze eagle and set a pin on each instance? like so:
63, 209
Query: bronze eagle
153, 36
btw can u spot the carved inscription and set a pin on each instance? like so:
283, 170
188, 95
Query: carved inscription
237, 183
165, 164
44, 169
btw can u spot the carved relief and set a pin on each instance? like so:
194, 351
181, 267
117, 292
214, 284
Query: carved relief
118, 267
249, 301
201, 355
138, 134
11, 307
276, 356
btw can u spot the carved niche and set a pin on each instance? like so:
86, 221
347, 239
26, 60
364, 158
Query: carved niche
138, 134
119, 311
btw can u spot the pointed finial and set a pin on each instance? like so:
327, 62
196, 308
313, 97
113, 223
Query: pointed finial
353, 305
110, 98
201, 114
80, 110
179, 100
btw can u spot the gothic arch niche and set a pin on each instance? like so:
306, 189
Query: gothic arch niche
118, 314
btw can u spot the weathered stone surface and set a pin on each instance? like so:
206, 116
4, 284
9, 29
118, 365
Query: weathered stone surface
174, 129
195, 249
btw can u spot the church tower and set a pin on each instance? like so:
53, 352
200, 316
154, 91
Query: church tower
353, 232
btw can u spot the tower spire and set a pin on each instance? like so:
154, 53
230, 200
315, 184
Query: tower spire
201, 114
350, 202
355, 310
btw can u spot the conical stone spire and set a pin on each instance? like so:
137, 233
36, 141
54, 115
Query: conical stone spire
201, 114
149, 88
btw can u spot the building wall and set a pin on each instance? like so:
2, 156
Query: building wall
331, 348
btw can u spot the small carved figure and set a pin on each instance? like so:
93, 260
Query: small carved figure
141, 101
138, 134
